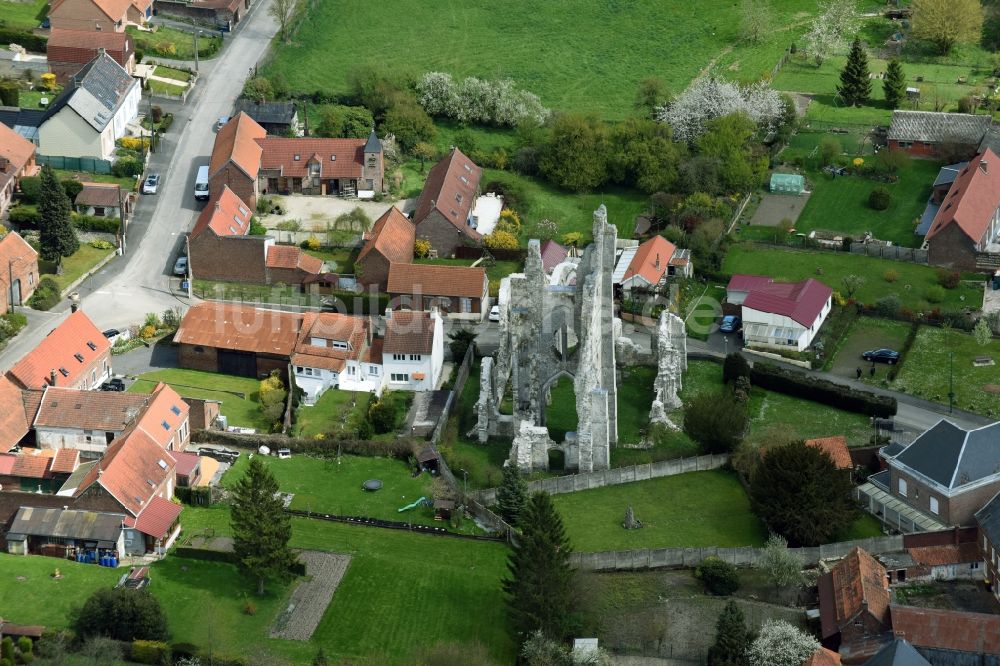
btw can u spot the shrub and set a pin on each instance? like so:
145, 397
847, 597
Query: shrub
101, 245
967, 104
28, 40
948, 279
421, 248
311, 243
888, 305
30, 187
72, 188
509, 221
47, 294
880, 198
168, 120
500, 240
774, 378
716, 420
147, 332
183, 650
891, 275
121, 614
127, 167
109, 225
719, 578
934, 294
733, 367
22, 217
157, 113
150, 652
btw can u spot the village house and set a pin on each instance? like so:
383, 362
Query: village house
24, 122
854, 606
390, 241
287, 264
17, 160
188, 469
945, 562
988, 522
444, 210
140, 11
336, 351
937, 134
64, 532
948, 636
18, 271
336, 167
68, 51
103, 200
647, 266
967, 223
779, 315
942, 479
219, 248
90, 15
457, 291
235, 160
277, 118
17, 411
75, 354
939, 190
413, 352
92, 112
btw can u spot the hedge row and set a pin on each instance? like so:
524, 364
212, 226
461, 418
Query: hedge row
197, 496
911, 337
401, 448
93, 223
28, 40
773, 378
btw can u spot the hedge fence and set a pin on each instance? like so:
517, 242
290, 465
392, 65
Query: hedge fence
774, 378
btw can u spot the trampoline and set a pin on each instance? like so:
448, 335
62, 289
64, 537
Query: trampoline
371, 485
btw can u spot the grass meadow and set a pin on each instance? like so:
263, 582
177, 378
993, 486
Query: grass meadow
238, 395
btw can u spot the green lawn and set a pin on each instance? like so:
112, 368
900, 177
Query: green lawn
173, 44
693, 509
238, 395
24, 15
87, 177
840, 204
560, 414
927, 369
338, 412
172, 73
331, 486
73, 266
865, 527
801, 264
340, 259
588, 59
165, 88
31, 99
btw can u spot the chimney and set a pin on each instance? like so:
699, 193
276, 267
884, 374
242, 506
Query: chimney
52, 377
657, 259
74, 306
983, 166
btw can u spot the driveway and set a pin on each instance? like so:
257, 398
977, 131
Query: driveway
143, 359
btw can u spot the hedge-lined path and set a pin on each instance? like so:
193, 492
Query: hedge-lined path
310, 598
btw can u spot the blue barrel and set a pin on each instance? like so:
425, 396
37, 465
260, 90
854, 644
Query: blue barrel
113, 562
104, 560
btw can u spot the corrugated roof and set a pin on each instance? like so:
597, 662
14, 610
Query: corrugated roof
393, 236
72, 346
89, 410
976, 633
236, 143
67, 524
972, 199
225, 215
952, 456
240, 327
434, 280
938, 127
803, 301
451, 188
409, 332
337, 158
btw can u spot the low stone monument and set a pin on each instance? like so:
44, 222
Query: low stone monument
630, 522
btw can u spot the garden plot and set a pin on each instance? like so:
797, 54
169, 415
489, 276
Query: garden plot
308, 602
774, 208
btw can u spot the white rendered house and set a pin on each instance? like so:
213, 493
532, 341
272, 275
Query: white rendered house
779, 315
413, 352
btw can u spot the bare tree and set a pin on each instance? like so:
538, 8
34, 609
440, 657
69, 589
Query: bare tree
756, 17
282, 11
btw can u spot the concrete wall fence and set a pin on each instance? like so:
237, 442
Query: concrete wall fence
613, 477
660, 558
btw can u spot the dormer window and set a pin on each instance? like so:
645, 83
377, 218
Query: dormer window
64, 372
92, 346
78, 357
297, 158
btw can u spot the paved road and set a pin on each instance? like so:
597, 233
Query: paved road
140, 281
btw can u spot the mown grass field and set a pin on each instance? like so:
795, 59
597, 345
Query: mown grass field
338, 412
73, 266
589, 57
238, 395
25, 15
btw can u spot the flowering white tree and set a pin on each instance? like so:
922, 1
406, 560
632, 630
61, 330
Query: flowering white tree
436, 93
781, 644
474, 100
831, 29
707, 98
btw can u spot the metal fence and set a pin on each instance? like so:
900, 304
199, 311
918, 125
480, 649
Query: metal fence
91, 164
895, 252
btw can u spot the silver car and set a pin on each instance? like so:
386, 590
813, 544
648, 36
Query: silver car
181, 266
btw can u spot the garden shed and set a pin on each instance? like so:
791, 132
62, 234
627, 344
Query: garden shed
787, 183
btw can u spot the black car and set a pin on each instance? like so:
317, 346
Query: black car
889, 356
114, 384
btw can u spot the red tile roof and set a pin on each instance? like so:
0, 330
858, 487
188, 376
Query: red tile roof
113, 9
451, 188
823, 657
409, 332
392, 235
186, 462
236, 143
972, 199
553, 254
67, 42
859, 580
7, 461
59, 351
434, 280
16, 150
836, 448
89, 410
961, 553
131, 470
651, 260
278, 153
330, 327
291, 257
225, 215
156, 517
33, 463
14, 424
240, 327
977, 633
65, 461
163, 417
801, 301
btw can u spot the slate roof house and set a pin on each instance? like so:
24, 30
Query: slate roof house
339, 167
444, 210
854, 606
74, 354
941, 479
458, 292
277, 118
17, 160
68, 51
988, 522
648, 265
936, 134
898, 653
18, 281
390, 241
967, 223
92, 112
779, 315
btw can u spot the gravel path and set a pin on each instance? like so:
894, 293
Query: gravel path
309, 600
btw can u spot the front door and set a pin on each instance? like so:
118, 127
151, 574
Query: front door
15, 293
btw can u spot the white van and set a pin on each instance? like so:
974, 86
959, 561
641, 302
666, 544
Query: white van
201, 184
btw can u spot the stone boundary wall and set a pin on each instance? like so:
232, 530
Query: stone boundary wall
613, 477
660, 558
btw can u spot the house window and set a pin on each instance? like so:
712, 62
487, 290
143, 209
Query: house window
934, 505
98, 211
974, 566
299, 370
337, 344
902, 487
199, 350
905, 144
414, 357
31, 278
399, 357
466, 304
399, 377
373, 370
351, 371
297, 158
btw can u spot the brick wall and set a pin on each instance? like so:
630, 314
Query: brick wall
442, 234
202, 413
956, 510
374, 270
229, 258
953, 249
207, 359
286, 275
242, 185
26, 273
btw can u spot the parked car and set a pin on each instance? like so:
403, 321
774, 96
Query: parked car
114, 335
495, 313
889, 356
221, 122
151, 183
731, 324
181, 266
113, 384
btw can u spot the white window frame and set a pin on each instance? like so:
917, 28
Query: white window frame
399, 378
901, 486
935, 507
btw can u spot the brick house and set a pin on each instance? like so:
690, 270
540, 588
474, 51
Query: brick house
84, 420
287, 264
390, 241
18, 271
74, 354
457, 291
948, 636
235, 159
967, 223
942, 479
854, 606
648, 265
16, 413
17, 160
988, 522
69, 50
937, 134
90, 15
444, 210
336, 167
219, 248
945, 562
140, 11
